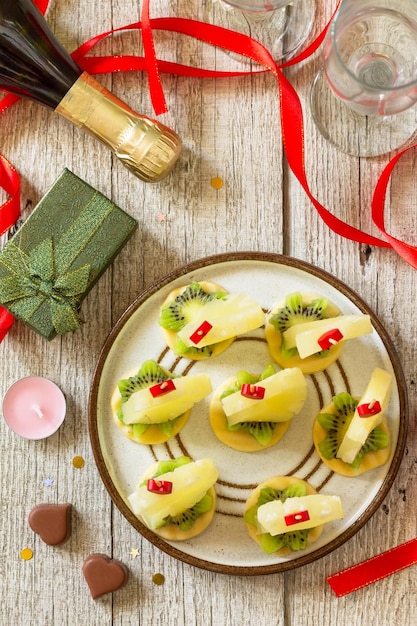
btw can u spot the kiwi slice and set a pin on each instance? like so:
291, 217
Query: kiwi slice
295, 311
169, 466
246, 436
184, 521
149, 374
294, 540
192, 351
334, 423
181, 310
175, 314
299, 308
261, 431
163, 467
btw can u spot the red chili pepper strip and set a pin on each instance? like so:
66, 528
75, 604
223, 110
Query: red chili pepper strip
296, 518
252, 391
329, 338
366, 410
163, 487
161, 388
201, 332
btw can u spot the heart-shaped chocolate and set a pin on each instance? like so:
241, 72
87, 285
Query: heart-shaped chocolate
104, 575
52, 522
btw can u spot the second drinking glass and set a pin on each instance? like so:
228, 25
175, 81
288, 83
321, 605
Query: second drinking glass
363, 99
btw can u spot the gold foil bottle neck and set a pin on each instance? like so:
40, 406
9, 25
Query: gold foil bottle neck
146, 147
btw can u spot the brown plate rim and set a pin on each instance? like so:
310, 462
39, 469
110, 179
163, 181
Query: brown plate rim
278, 259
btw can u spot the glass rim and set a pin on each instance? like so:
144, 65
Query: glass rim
233, 5
331, 36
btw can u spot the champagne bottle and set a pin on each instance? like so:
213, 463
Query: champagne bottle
34, 65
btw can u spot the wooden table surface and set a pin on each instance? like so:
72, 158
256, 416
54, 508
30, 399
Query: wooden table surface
230, 129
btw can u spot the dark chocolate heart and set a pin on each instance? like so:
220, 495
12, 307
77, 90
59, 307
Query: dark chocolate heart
52, 522
104, 575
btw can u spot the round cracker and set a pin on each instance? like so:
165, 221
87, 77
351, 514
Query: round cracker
239, 440
152, 435
278, 483
369, 461
310, 364
171, 532
170, 336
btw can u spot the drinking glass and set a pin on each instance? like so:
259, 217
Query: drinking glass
363, 98
282, 26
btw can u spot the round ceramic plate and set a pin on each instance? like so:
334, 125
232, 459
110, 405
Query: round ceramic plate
225, 546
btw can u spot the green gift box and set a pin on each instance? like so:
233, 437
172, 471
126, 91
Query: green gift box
54, 259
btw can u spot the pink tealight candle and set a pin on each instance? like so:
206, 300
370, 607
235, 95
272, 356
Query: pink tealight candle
34, 407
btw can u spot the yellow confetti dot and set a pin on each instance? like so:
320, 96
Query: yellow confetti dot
158, 579
216, 182
78, 462
26, 554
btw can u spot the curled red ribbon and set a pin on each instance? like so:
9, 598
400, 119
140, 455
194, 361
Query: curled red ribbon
292, 125
291, 110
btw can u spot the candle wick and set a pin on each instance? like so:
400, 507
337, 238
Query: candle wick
38, 411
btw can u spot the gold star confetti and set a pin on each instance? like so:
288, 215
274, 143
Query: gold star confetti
216, 182
26, 554
78, 462
158, 579
134, 552
161, 217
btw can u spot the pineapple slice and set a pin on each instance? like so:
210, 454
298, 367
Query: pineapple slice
367, 416
298, 513
284, 395
312, 337
222, 319
190, 482
144, 408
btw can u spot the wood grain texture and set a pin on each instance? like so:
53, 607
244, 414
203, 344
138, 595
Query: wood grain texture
230, 128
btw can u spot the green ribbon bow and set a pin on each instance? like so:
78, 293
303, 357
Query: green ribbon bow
36, 279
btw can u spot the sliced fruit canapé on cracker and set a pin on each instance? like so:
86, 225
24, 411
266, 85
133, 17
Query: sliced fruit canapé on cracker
176, 498
252, 412
351, 435
201, 320
307, 331
152, 405
285, 514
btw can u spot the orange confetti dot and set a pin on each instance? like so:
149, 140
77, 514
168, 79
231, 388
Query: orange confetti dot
216, 182
78, 462
26, 554
158, 579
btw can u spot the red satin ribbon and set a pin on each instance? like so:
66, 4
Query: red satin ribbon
406, 251
6, 322
10, 181
374, 569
